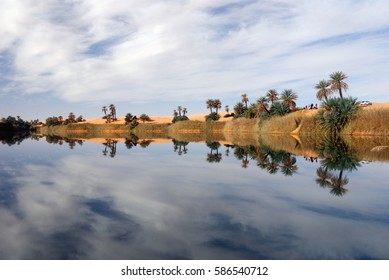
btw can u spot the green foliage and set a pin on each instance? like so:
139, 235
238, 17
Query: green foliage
279, 109
336, 113
129, 118
145, 118
179, 118
52, 121
134, 123
14, 124
239, 109
212, 117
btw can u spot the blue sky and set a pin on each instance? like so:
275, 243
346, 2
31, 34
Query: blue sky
58, 57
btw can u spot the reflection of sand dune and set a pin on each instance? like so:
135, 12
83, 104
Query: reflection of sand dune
104, 140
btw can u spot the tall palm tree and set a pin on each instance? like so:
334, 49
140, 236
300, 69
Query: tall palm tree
262, 101
209, 103
184, 111
72, 117
179, 109
227, 108
322, 90
113, 112
289, 97
105, 110
337, 83
217, 104
272, 95
245, 99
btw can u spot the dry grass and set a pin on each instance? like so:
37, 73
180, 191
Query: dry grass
370, 121
300, 122
242, 131
197, 131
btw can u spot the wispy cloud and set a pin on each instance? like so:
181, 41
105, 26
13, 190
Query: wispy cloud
148, 51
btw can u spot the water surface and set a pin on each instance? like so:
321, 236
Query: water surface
186, 200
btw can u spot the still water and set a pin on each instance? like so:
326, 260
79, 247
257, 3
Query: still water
180, 200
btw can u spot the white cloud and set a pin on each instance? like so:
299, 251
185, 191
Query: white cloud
189, 50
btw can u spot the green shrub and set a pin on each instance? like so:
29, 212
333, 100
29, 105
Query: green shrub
212, 117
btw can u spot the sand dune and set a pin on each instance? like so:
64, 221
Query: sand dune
159, 119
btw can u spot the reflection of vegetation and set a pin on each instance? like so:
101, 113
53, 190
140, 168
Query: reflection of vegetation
269, 160
131, 141
214, 155
145, 143
180, 147
15, 138
53, 139
110, 147
337, 157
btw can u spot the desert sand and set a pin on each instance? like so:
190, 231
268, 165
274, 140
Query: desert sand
159, 119
201, 117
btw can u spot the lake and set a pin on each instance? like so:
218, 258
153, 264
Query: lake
179, 200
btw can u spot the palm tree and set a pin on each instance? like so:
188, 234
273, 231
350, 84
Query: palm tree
113, 112
262, 101
227, 108
322, 90
175, 114
105, 110
209, 103
179, 109
337, 83
272, 95
289, 97
217, 104
245, 99
184, 111
72, 117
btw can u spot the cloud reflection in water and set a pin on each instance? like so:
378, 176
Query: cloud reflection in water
153, 204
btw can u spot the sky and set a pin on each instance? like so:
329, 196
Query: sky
143, 56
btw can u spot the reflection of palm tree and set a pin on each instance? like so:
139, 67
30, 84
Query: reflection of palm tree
336, 156
180, 147
214, 155
272, 167
245, 161
289, 167
338, 183
324, 177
